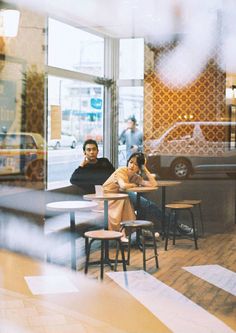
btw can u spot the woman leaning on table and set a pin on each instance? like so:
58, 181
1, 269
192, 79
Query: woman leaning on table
134, 174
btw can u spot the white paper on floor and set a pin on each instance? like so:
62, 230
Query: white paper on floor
176, 311
50, 284
217, 275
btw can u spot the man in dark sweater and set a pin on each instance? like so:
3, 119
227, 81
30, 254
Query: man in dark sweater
93, 170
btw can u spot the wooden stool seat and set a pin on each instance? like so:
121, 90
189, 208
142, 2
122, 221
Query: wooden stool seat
137, 226
190, 202
174, 208
104, 236
179, 206
195, 202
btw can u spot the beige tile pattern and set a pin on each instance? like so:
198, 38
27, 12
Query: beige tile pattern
203, 100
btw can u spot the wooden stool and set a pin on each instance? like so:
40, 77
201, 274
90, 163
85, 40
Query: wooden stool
104, 236
174, 209
138, 226
195, 203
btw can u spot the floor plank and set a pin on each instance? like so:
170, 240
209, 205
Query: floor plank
105, 303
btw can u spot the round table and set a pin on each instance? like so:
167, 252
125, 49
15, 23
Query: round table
138, 190
71, 207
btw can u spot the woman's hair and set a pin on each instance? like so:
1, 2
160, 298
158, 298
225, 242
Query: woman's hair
139, 157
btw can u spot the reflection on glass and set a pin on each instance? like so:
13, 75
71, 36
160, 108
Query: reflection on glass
130, 105
74, 49
190, 148
233, 127
131, 58
22, 154
75, 113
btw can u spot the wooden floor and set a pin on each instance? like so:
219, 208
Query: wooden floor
104, 306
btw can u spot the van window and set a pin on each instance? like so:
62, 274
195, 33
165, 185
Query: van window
180, 133
216, 133
10, 141
28, 142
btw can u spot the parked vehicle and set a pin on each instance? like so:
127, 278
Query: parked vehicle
64, 141
188, 148
22, 153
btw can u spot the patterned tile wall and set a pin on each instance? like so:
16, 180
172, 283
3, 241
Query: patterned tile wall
203, 100
33, 114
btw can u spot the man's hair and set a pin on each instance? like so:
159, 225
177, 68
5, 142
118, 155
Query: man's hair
89, 142
140, 159
133, 119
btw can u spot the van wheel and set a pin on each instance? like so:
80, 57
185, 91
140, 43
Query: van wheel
35, 170
181, 168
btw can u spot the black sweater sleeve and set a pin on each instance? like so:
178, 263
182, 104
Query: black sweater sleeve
92, 174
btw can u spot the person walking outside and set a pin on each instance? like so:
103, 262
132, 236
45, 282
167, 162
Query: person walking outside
132, 137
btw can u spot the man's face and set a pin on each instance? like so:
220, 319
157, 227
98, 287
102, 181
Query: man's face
91, 152
130, 124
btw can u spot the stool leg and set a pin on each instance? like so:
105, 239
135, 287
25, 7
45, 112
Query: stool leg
155, 248
144, 253
194, 230
117, 254
87, 248
175, 219
201, 219
168, 231
86, 244
122, 255
129, 246
102, 259
138, 237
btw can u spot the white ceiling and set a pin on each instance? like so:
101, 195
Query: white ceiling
200, 25
119, 18
157, 20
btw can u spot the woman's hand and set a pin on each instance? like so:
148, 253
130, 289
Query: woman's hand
130, 185
124, 186
151, 178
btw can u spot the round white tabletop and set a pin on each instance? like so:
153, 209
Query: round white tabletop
67, 206
105, 196
71, 207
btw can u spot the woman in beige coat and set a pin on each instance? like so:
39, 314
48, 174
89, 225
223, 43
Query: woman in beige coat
121, 180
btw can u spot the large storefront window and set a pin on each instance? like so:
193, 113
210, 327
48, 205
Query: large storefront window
75, 101
131, 62
74, 49
130, 108
75, 114
131, 71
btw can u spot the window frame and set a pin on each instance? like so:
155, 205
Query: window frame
89, 78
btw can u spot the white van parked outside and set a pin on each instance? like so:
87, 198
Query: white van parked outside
187, 148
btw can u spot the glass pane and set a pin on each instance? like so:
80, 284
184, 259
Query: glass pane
75, 113
21, 142
130, 106
131, 58
74, 49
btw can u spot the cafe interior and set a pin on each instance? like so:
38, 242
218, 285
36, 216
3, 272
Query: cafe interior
71, 71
